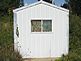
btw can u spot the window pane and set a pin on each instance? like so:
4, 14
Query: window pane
36, 25
47, 25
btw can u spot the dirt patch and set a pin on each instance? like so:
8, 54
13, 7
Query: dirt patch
40, 59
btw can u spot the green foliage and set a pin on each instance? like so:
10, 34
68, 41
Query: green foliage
72, 56
6, 30
75, 32
5, 5
75, 6
7, 52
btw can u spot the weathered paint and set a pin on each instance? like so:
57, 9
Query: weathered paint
42, 44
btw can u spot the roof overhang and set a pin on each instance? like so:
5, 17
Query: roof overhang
40, 2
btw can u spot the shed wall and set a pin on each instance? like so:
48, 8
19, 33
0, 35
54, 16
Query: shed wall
43, 44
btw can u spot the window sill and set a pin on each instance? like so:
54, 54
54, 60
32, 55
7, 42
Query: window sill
41, 32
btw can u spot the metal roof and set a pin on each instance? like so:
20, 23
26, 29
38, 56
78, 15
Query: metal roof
40, 2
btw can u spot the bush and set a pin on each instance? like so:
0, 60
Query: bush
7, 53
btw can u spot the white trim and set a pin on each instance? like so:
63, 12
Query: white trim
42, 32
41, 26
40, 2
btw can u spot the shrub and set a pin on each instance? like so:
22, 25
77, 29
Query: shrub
7, 53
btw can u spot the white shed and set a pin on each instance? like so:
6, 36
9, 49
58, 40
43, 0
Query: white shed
41, 30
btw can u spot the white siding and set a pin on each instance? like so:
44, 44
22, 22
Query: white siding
43, 44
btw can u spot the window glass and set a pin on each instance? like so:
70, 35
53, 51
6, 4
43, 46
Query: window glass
36, 25
47, 25
41, 25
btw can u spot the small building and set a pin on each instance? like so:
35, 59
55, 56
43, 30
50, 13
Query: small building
41, 30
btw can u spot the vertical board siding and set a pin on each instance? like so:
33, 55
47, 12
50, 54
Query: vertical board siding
43, 44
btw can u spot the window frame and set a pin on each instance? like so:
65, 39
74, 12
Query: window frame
42, 26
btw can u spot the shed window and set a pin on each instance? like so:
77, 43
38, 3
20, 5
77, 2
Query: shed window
47, 25
41, 25
36, 25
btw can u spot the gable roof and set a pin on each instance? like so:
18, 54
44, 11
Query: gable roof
40, 2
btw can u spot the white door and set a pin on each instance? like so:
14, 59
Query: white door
40, 47
41, 37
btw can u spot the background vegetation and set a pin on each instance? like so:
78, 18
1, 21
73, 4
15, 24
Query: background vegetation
7, 52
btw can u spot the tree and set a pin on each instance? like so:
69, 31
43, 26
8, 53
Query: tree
21, 3
65, 5
75, 6
5, 5
7, 52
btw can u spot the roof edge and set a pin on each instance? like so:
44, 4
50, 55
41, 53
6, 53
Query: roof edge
55, 6
36, 3
23, 7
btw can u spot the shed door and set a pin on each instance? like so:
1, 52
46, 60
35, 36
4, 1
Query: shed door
41, 38
40, 47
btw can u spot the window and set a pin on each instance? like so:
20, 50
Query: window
47, 25
41, 25
36, 25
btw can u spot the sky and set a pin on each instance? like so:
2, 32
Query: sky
57, 2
